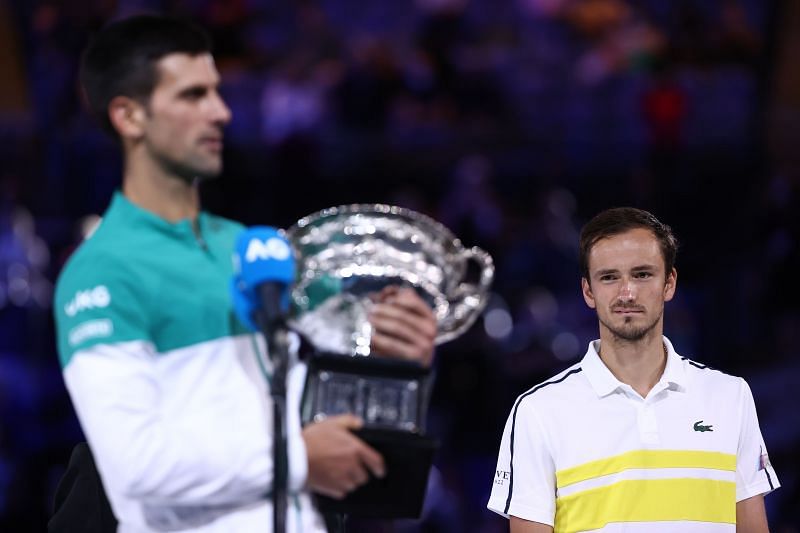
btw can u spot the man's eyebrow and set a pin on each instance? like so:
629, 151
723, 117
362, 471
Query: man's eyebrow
637, 268
606, 271
196, 88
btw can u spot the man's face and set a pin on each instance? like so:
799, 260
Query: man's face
183, 131
628, 284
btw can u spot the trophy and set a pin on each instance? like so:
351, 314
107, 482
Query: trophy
345, 255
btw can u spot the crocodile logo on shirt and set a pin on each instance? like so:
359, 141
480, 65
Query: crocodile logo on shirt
698, 426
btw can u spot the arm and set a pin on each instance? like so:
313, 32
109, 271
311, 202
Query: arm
518, 525
524, 484
216, 454
751, 517
755, 476
404, 325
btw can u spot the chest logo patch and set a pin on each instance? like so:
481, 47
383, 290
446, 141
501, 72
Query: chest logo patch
698, 426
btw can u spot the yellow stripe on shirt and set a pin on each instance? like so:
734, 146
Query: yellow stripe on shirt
647, 500
646, 459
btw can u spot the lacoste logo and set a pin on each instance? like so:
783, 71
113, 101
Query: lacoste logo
698, 426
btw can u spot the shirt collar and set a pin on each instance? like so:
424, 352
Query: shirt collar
132, 215
604, 382
675, 371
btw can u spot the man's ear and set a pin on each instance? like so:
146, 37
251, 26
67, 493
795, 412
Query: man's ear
586, 289
670, 284
127, 116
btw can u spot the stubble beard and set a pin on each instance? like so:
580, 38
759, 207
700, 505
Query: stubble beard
188, 172
629, 332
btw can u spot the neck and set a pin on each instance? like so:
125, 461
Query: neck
168, 196
639, 363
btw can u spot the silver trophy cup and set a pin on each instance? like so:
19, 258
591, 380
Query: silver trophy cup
345, 256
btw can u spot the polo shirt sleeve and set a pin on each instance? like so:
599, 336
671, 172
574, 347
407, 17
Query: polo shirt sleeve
754, 473
524, 480
97, 302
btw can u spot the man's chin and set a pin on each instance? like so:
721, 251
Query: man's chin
207, 176
630, 335
192, 175
208, 172
629, 331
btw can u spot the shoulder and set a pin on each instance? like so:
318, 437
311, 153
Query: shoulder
104, 258
553, 391
100, 297
89, 265
710, 384
709, 376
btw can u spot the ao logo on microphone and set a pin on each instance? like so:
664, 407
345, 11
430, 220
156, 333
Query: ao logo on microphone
273, 248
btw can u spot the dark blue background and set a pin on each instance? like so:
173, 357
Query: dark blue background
512, 122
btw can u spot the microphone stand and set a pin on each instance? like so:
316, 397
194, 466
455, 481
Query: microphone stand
276, 335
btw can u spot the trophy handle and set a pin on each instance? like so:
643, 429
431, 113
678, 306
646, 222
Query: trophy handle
486, 264
468, 299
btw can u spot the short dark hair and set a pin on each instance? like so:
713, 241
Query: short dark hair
619, 220
120, 60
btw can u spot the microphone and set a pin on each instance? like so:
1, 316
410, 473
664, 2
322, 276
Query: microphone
263, 266
263, 269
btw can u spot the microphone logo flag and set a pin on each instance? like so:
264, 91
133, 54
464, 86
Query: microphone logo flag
273, 248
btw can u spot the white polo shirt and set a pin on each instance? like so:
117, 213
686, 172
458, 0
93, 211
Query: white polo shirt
585, 452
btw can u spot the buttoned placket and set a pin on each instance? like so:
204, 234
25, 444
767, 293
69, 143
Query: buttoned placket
646, 420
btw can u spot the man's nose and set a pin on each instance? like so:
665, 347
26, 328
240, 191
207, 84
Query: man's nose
627, 291
220, 111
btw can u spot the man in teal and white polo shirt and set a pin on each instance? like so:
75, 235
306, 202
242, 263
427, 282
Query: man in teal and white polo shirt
634, 437
170, 390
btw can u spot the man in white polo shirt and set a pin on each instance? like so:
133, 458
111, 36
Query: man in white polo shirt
634, 437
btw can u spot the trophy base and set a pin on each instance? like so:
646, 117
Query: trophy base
400, 494
385, 393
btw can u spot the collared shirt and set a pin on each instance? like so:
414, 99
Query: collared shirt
170, 389
585, 452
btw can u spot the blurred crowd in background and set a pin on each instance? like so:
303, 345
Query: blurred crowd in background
511, 121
